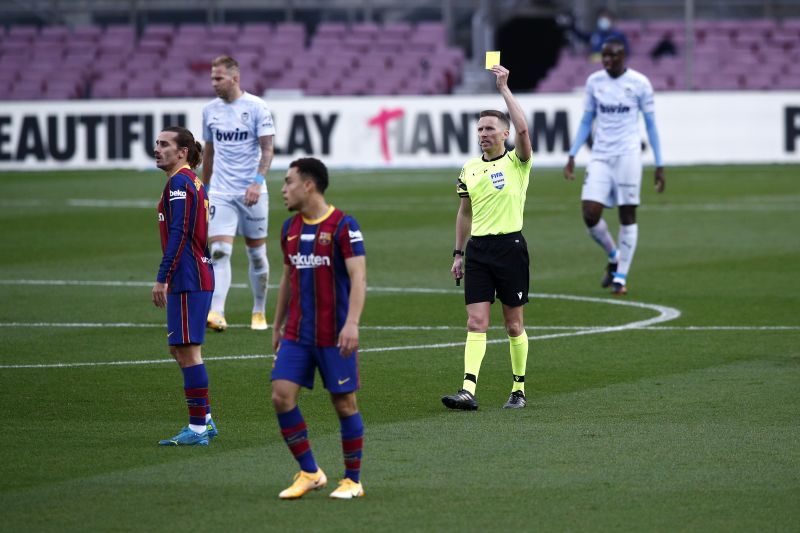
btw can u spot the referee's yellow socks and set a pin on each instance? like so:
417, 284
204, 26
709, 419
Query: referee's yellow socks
474, 351
518, 346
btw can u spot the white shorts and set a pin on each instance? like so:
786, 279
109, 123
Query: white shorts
614, 180
228, 216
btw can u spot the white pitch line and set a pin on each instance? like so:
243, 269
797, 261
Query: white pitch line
100, 283
135, 362
665, 314
406, 328
778, 204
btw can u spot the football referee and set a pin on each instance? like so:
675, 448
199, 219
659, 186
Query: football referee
492, 190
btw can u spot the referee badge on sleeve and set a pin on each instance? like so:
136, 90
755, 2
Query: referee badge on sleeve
498, 180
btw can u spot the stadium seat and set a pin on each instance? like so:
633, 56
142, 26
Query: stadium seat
26, 90
142, 88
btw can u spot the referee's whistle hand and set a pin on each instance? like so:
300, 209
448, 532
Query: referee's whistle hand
456, 268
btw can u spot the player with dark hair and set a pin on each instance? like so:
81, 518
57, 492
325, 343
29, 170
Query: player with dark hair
185, 279
492, 189
238, 130
320, 299
614, 96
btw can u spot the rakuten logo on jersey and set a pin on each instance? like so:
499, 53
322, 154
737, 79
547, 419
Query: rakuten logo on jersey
309, 260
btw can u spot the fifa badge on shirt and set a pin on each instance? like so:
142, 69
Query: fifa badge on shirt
498, 180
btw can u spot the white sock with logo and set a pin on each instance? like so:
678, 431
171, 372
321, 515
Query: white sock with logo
221, 257
259, 276
600, 234
628, 235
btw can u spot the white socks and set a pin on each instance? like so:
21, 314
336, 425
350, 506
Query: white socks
259, 276
599, 232
197, 429
628, 235
221, 256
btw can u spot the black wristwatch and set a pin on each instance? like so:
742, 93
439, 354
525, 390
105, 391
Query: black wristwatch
458, 252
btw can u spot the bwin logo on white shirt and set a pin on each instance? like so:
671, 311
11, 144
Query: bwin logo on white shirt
356, 236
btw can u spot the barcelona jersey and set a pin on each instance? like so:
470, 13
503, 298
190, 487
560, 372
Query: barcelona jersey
183, 223
319, 286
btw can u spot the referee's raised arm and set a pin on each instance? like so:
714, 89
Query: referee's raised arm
522, 141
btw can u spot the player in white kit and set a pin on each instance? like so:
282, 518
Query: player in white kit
238, 131
614, 96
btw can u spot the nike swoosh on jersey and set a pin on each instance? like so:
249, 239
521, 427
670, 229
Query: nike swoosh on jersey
343, 381
291, 237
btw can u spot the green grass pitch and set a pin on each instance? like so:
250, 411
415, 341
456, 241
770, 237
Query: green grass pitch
679, 410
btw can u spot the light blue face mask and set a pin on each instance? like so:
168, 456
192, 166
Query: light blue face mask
604, 23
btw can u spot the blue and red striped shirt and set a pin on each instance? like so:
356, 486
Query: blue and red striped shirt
183, 224
319, 285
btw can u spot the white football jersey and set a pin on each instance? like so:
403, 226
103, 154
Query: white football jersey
616, 103
234, 128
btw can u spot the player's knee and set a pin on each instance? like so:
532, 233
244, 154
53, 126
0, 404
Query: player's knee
627, 215
221, 251
281, 401
258, 258
344, 404
590, 218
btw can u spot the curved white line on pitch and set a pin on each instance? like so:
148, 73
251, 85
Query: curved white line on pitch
665, 314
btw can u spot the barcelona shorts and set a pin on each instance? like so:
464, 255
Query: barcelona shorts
497, 264
296, 362
187, 313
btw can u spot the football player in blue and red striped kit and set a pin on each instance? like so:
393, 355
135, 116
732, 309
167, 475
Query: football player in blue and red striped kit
320, 299
185, 280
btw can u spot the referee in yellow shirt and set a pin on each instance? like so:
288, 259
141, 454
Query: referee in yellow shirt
492, 190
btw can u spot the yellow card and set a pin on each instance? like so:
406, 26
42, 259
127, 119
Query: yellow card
492, 59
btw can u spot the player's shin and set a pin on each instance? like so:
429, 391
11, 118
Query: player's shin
600, 234
295, 434
195, 387
628, 237
259, 276
221, 256
352, 430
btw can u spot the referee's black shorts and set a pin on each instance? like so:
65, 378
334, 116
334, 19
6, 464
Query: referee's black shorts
497, 264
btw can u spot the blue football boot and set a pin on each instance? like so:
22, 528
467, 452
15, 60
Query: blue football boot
186, 437
212, 429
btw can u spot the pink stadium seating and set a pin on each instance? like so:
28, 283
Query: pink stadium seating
111, 62
728, 55
57, 62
